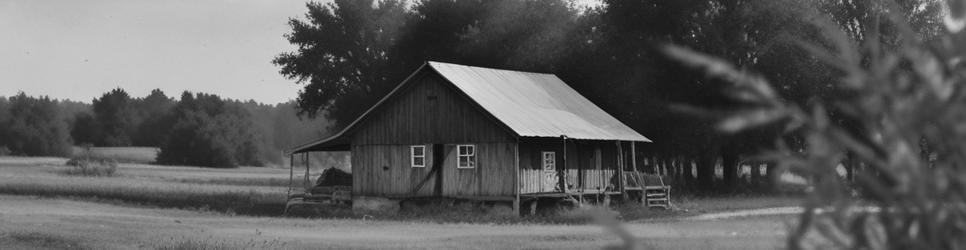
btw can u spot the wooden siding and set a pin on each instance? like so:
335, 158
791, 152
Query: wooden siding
530, 181
590, 165
493, 175
386, 170
600, 180
429, 111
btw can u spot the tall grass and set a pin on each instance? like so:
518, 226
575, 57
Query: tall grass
40, 240
215, 244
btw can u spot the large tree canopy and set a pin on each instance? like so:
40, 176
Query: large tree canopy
342, 55
352, 52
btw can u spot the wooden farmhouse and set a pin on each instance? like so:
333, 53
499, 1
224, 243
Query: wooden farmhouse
462, 132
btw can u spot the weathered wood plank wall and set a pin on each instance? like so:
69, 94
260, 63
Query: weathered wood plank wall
493, 175
429, 112
388, 171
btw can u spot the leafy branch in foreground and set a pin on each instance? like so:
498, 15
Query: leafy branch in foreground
897, 109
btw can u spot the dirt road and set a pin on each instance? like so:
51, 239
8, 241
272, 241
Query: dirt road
29, 222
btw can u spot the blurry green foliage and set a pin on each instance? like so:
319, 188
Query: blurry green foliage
899, 110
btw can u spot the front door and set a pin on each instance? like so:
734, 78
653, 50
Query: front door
551, 181
439, 158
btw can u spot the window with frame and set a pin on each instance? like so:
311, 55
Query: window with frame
466, 156
549, 160
417, 156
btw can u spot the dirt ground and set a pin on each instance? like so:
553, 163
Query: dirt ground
46, 223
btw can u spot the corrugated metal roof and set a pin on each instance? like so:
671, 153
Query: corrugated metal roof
536, 105
530, 104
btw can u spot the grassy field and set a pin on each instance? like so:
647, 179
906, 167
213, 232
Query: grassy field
255, 191
262, 191
202, 208
32, 222
122, 154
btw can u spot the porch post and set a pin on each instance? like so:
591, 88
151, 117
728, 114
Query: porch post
633, 156
562, 170
516, 178
620, 168
306, 183
291, 173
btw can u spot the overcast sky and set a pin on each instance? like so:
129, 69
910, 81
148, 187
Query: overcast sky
71, 49
80, 49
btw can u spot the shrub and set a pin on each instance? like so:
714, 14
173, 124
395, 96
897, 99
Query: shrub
91, 166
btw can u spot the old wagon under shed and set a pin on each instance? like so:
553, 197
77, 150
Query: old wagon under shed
454, 131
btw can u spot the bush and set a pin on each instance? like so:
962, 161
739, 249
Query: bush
91, 166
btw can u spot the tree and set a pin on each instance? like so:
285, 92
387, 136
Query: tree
351, 53
207, 131
117, 117
342, 55
155, 109
33, 127
85, 129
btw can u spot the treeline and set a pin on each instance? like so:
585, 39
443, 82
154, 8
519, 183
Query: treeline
196, 129
35, 126
353, 52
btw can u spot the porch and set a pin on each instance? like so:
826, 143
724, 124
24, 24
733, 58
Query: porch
564, 167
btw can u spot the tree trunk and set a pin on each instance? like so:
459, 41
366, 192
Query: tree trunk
705, 167
771, 176
675, 173
687, 174
729, 167
756, 176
